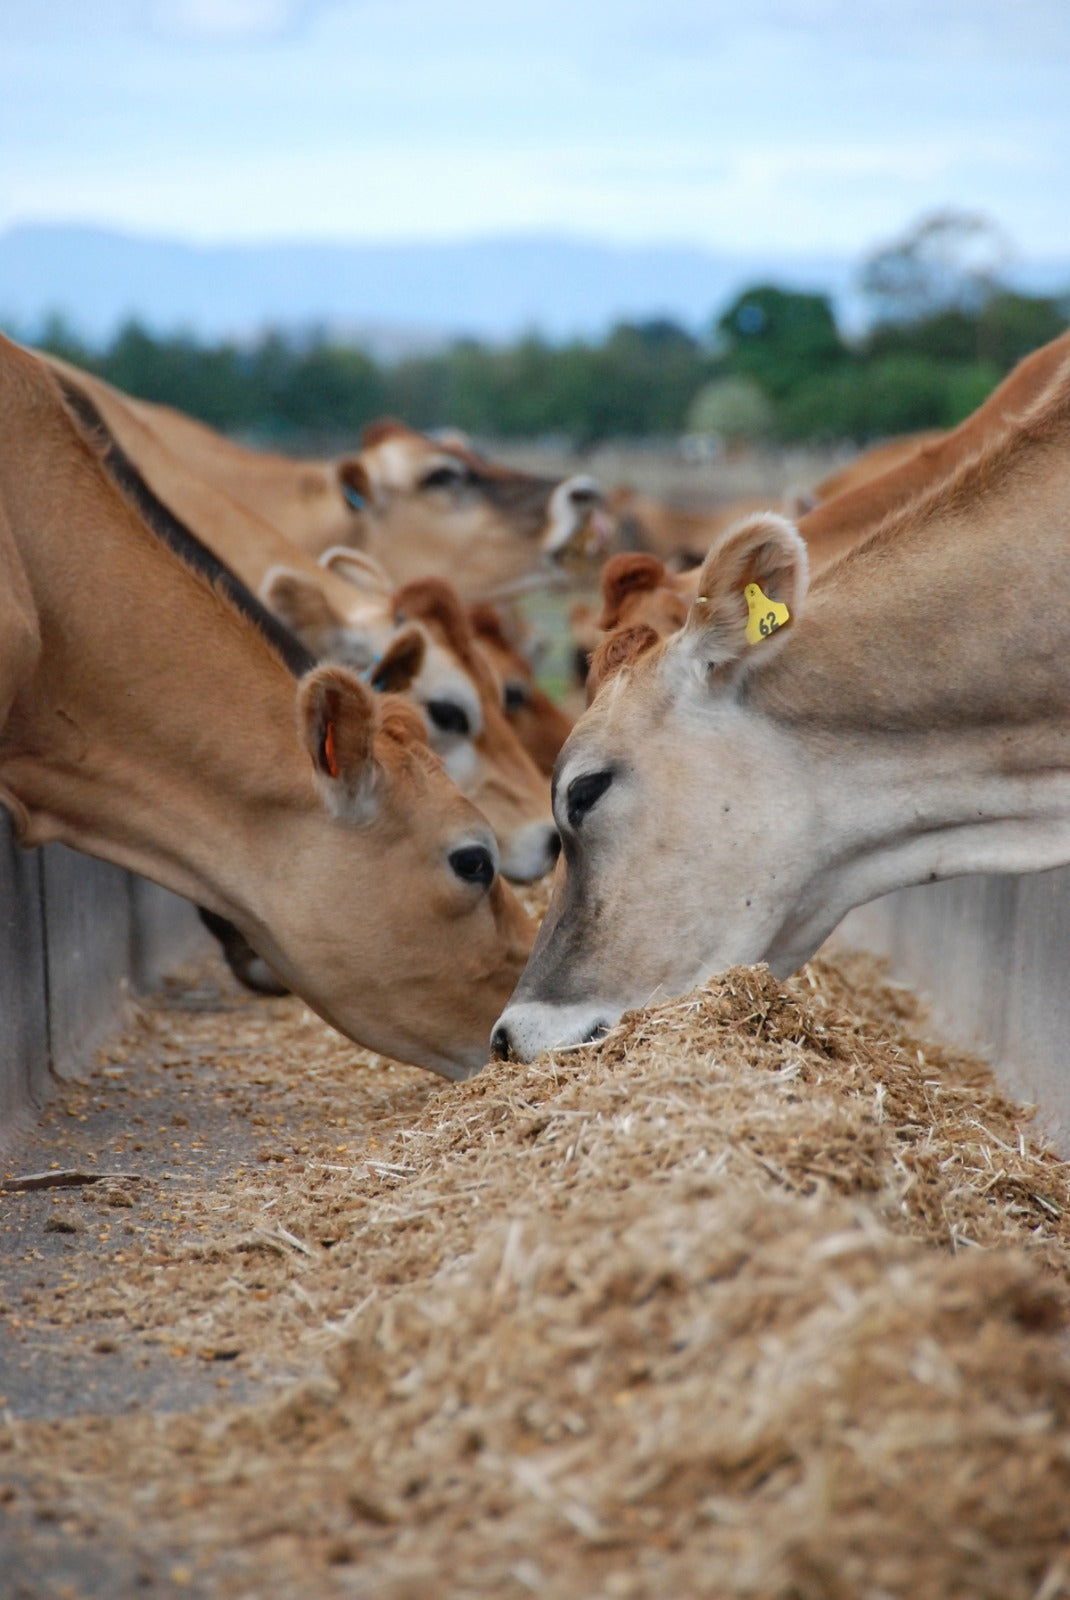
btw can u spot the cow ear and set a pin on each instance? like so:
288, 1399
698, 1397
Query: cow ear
401, 661
298, 601
628, 572
750, 591
354, 481
336, 716
357, 568
618, 649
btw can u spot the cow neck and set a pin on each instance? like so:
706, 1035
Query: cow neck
239, 536
159, 723
833, 526
952, 616
278, 488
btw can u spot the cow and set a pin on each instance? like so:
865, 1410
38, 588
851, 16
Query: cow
867, 464
343, 612
799, 748
453, 684
639, 589
539, 722
153, 714
837, 522
680, 537
421, 506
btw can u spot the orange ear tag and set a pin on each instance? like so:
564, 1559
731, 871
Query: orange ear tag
329, 755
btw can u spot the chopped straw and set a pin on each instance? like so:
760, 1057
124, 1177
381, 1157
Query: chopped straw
761, 1295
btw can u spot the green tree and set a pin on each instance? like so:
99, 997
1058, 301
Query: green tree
1010, 325
949, 259
779, 337
874, 400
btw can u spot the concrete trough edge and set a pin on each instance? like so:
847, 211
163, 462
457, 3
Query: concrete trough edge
77, 937
989, 956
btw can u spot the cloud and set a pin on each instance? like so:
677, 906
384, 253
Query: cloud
229, 21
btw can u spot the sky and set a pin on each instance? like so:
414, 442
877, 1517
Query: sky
795, 125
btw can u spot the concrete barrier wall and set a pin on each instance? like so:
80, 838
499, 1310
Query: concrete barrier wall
990, 956
75, 936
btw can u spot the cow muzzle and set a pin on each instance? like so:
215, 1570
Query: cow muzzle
526, 1029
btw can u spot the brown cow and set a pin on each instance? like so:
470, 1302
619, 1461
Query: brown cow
453, 684
639, 590
420, 506
346, 615
680, 537
795, 751
540, 724
836, 524
871, 463
152, 714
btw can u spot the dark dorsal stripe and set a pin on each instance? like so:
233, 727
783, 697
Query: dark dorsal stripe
185, 544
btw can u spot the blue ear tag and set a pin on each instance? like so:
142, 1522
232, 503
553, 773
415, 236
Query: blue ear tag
368, 673
353, 498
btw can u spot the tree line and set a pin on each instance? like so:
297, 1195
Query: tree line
773, 365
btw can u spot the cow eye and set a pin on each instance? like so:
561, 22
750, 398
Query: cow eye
447, 717
444, 477
515, 696
584, 793
473, 863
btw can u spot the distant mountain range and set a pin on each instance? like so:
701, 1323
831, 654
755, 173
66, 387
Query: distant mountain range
395, 298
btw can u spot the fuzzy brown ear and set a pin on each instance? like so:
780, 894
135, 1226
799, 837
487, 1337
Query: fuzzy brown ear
751, 587
336, 716
401, 661
357, 488
618, 650
436, 603
630, 572
298, 601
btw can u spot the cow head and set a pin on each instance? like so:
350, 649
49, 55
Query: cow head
418, 643
433, 506
490, 763
679, 854
446, 935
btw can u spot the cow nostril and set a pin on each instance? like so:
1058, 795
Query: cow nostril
499, 1044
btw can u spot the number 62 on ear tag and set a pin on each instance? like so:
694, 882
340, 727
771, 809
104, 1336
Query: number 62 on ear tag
765, 615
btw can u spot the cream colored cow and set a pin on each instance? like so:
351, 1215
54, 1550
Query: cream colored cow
797, 749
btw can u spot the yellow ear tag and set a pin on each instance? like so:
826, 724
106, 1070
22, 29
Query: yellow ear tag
766, 615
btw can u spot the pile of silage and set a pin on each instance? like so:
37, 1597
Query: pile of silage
755, 1297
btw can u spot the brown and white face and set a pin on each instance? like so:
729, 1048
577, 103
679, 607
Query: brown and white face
470, 729
419, 643
683, 831
430, 507
391, 917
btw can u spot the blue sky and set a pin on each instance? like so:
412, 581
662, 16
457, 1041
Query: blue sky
796, 125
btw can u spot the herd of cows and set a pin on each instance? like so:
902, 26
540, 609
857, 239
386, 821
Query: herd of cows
295, 692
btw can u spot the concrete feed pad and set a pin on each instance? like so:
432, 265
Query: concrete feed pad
760, 1295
